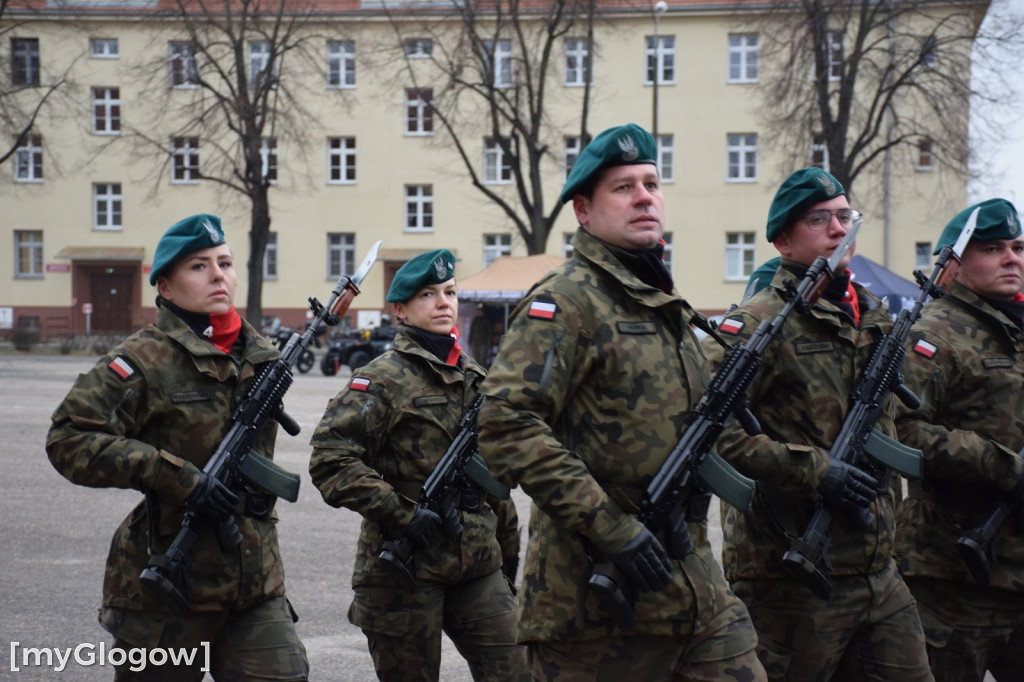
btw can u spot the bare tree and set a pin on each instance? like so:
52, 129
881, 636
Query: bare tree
496, 62
855, 80
228, 88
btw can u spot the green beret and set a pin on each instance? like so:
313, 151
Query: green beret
432, 267
800, 191
997, 219
620, 146
761, 277
192, 234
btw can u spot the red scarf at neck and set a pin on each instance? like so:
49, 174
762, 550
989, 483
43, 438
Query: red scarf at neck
224, 329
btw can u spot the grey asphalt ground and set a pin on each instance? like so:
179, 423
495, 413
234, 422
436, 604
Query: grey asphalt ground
56, 536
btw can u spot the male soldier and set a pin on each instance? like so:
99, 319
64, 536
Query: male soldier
869, 629
585, 399
965, 360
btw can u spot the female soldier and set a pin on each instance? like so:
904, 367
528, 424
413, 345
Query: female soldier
376, 445
148, 416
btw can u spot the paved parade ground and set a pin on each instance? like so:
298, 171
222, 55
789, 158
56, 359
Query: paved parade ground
56, 537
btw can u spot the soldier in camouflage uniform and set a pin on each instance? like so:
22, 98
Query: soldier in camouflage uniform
965, 360
148, 416
377, 443
586, 398
869, 628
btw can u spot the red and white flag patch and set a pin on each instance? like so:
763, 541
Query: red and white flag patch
924, 348
544, 310
121, 367
731, 326
359, 384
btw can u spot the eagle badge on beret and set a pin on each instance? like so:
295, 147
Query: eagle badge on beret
630, 151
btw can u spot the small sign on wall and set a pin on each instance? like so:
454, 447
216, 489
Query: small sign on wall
6, 318
58, 267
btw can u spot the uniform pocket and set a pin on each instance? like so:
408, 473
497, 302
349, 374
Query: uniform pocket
392, 622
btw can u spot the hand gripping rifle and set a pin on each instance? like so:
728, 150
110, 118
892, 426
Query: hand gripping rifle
460, 463
234, 462
692, 468
858, 436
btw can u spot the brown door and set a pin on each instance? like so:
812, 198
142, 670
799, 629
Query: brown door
111, 298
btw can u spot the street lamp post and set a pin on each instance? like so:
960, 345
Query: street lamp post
659, 9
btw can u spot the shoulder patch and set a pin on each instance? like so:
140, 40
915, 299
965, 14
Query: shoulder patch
924, 349
543, 310
121, 367
731, 325
359, 384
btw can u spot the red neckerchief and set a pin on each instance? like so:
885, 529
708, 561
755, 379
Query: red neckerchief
225, 329
453, 354
850, 297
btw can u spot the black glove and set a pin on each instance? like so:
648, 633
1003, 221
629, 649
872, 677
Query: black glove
847, 487
451, 524
509, 567
424, 523
211, 499
644, 562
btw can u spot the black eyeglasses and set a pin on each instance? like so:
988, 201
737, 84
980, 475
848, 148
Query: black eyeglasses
820, 219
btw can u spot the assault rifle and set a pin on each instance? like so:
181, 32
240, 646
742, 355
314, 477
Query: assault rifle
858, 436
461, 463
234, 462
977, 545
692, 468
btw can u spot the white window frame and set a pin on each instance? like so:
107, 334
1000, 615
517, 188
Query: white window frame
834, 41
341, 64
419, 114
578, 64
183, 70
744, 57
418, 48
28, 254
925, 155
259, 60
496, 246
741, 157
107, 204
341, 254
499, 60
669, 252
25, 61
104, 48
270, 257
419, 208
819, 152
660, 59
922, 255
497, 167
666, 156
28, 160
572, 152
341, 161
740, 255
106, 111
185, 160
268, 159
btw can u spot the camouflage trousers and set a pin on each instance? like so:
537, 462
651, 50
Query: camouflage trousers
260, 643
720, 650
868, 631
971, 629
403, 630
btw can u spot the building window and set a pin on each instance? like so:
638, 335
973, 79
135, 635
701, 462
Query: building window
499, 62
577, 62
834, 57
270, 257
666, 257
741, 157
341, 254
107, 206
25, 61
103, 48
268, 159
661, 60
567, 247
922, 255
495, 246
259, 64
28, 160
924, 154
28, 253
929, 51
418, 48
572, 152
185, 160
341, 63
666, 158
744, 53
739, 255
183, 64
497, 169
419, 208
419, 115
106, 111
341, 160
819, 151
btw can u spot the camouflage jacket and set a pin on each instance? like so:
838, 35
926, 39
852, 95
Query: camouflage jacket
588, 395
148, 416
965, 360
800, 399
380, 439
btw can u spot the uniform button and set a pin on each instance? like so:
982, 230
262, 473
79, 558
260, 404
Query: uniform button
248, 552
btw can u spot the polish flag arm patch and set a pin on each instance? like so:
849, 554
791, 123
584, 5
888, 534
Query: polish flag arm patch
543, 310
925, 349
121, 367
731, 326
359, 384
